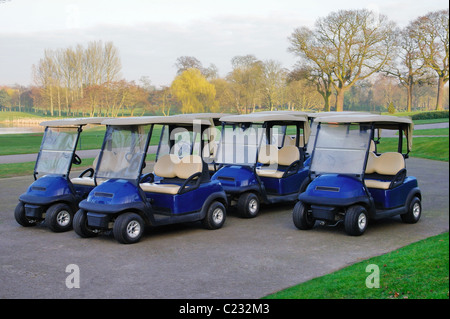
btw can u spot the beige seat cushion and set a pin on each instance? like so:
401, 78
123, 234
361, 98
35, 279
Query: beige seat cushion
188, 166
288, 155
165, 166
267, 172
389, 163
160, 188
268, 154
171, 166
374, 183
371, 165
285, 156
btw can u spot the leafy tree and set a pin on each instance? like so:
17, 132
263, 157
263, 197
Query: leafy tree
194, 92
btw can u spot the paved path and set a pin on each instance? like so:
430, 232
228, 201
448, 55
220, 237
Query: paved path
247, 258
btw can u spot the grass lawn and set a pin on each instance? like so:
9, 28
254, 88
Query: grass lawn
435, 148
416, 271
91, 138
434, 131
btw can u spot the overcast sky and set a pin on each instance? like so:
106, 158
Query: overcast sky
151, 34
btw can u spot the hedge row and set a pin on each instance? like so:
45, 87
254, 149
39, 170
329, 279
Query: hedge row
430, 115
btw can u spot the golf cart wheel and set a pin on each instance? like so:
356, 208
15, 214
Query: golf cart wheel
80, 225
215, 216
128, 228
59, 217
302, 217
414, 212
21, 218
356, 220
248, 205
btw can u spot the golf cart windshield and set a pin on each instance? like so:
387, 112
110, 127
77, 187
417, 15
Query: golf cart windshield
341, 148
123, 151
58, 145
239, 144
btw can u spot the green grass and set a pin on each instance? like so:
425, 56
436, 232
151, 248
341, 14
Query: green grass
434, 131
30, 143
15, 116
416, 271
27, 168
435, 148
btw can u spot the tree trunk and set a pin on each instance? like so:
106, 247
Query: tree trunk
326, 97
340, 100
409, 89
440, 95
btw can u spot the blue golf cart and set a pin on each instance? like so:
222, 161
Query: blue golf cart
261, 159
53, 197
177, 190
351, 182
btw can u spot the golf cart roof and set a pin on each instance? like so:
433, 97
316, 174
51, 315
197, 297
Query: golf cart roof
143, 120
214, 117
263, 117
334, 113
73, 121
382, 120
295, 113
379, 121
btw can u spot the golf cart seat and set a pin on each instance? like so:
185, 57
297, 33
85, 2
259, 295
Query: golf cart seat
86, 180
284, 157
171, 167
385, 171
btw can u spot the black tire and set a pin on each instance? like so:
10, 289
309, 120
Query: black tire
414, 212
128, 228
215, 216
302, 217
59, 217
248, 205
21, 218
356, 220
80, 225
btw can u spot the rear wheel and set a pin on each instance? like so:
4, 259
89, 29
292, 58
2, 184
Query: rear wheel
215, 216
248, 205
128, 228
80, 225
302, 217
414, 212
59, 217
21, 218
356, 220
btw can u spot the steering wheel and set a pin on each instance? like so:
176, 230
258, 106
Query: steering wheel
76, 159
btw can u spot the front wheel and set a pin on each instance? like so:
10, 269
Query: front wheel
414, 212
302, 217
248, 205
21, 218
59, 217
80, 225
215, 216
356, 220
128, 228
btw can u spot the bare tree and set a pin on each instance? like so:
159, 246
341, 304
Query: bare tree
273, 82
432, 35
347, 46
408, 68
246, 81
